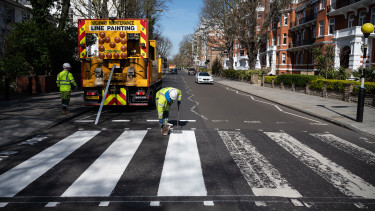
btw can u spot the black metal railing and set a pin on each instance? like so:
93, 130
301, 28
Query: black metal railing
303, 20
302, 43
341, 3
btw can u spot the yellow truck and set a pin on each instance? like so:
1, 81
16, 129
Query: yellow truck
122, 44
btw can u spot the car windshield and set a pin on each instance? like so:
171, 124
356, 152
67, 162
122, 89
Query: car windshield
191, 69
204, 74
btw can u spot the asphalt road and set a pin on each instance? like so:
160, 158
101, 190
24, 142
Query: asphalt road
235, 152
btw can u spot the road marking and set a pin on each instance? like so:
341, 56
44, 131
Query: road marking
104, 204
102, 176
218, 120
358, 152
152, 120
260, 204
252, 122
121, 120
296, 203
52, 204
155, 204
182, 172
208, 203
344, 180
17, 178
3, 204
192, 120
263, 178
319, 123
84, 121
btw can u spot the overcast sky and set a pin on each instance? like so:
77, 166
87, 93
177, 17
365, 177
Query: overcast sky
181, 19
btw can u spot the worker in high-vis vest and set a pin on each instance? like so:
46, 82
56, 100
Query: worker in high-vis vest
64, 81
164, 100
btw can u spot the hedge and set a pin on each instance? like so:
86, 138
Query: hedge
241, 74
317, 82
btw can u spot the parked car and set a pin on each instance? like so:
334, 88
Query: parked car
191, 71
203, 77
174, 71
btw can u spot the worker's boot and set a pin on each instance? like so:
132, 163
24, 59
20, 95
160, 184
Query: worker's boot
62, 111
165, 129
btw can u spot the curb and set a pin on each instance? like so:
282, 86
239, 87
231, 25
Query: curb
347, 126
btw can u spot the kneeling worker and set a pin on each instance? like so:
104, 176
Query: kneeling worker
164, 100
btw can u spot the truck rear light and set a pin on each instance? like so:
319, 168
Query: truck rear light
140, 93
91, 93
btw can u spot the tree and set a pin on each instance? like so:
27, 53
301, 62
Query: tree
165, 46
186, 50
324, 58
217, 15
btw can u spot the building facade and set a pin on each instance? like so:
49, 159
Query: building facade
307, 24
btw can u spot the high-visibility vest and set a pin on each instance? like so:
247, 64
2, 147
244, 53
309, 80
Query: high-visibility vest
162, 103
64, 79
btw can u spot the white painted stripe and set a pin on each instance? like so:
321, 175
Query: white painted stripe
83, 121
358, 152
104, 204
252, 122
260, 204
3, 204
102, 176
263, 178
155, 204
208, 203
192, 120
344, 180
16, 179
121, 120
218, 120
297, 203
182, 172
52, 204
152, 120
323, 124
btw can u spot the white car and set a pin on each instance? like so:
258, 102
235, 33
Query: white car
203, 77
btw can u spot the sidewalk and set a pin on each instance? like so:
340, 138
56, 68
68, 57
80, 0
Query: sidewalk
24, 116
335, 111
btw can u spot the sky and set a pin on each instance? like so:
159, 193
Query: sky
182, 18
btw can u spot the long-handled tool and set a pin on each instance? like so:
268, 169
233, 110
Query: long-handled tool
178, 129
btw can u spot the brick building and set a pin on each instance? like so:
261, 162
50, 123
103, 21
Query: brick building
306, 24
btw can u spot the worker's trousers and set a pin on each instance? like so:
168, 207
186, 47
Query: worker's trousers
65, 99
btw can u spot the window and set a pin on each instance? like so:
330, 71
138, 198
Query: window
372, 19
322, 4
361, 19
273, 41
331, 25
320, 28
279, 22
286, 20
314, 32
274, 24
315, 9
351, 20
258, 27
301, 59
10, 15
259, 15
278, 39
303, 35
284, 38
283, 58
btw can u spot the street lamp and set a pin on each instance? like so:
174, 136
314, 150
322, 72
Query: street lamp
366, 29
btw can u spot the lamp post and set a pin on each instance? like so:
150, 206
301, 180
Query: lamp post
366, 29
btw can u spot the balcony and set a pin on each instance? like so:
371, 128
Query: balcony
302, 43
342, 7
305, 21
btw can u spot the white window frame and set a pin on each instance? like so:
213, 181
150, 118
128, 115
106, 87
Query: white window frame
372, 18
258, 27
259, 15
361, 17
351, 20
283, 58
284, 38
321, 28
286, 19
322, 4
273, 41
331, 26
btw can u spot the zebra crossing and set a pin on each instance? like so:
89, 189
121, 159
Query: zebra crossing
182, 172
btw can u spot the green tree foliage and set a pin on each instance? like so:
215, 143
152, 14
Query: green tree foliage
40, 49
324, 58
369, 74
